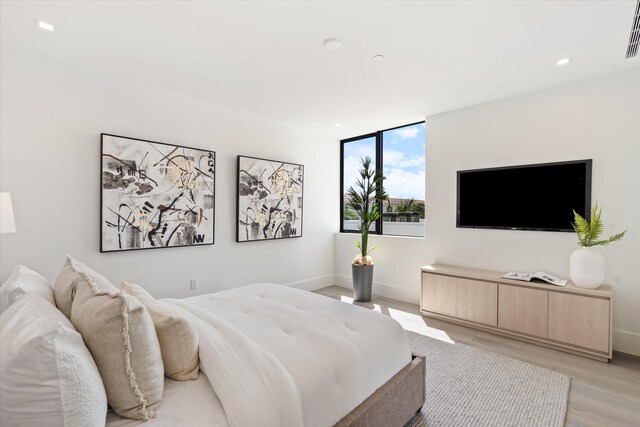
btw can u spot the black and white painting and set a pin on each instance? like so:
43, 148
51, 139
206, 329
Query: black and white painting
269, 199
155, 195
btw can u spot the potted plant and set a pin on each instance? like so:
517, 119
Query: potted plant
365, 200
586, 265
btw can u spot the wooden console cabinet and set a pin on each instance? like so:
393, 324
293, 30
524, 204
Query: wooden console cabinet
568, 318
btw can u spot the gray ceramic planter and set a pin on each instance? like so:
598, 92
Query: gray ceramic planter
362, 282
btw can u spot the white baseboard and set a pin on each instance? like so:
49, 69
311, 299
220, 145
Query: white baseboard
383, 289
313, 283
626, 342
342, 281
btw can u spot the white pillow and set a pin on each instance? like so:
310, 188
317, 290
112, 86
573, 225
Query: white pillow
178, 338
119, 333
21, 281
48, 375
64, 289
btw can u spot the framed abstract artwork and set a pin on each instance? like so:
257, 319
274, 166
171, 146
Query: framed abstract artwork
155, 195
269, 199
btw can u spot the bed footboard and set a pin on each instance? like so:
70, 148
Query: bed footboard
395, 402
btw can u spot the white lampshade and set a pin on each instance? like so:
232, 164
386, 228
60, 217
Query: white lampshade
7, 222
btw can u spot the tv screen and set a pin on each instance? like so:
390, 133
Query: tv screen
529, 197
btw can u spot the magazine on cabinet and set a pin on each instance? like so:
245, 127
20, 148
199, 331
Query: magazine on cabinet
538, 276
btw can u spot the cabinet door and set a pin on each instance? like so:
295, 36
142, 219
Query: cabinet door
579, 320
439, 294
477, 301
523, 310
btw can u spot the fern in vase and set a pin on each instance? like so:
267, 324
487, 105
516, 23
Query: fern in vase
590, 231
587, 266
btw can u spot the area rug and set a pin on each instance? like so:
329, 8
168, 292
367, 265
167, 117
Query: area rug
469, 386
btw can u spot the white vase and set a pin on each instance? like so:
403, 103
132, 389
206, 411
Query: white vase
586, 268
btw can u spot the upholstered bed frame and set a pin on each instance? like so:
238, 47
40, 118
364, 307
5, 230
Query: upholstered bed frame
47, 311
395, 402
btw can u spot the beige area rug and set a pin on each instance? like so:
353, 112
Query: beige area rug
469, 386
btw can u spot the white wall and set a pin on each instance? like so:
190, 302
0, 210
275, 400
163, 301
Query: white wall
597, 119
50, 123
51, 118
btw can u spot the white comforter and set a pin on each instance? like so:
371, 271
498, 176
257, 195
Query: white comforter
278, 356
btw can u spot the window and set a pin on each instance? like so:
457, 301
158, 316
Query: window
400, 154
353, 150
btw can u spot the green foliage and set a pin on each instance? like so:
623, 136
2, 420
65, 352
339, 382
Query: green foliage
389, 206
420, 210
349, 213
412, 207
365, 200
590, 231
407, 207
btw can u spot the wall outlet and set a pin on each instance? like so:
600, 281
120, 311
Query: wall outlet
194, 283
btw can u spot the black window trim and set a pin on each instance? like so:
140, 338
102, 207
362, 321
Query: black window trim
379, 162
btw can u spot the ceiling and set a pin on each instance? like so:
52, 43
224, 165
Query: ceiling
267, 59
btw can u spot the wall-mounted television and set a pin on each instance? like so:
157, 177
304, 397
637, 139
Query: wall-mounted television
526, 197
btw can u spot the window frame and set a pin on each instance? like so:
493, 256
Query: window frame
377, 136
379, 162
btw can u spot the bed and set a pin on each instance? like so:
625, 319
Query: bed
268, 355
194, 403
350, 365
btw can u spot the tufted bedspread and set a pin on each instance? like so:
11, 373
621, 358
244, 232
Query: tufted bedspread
310, 358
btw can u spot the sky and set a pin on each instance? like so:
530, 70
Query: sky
403, 161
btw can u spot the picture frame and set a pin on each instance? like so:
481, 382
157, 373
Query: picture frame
269, 199
155, 195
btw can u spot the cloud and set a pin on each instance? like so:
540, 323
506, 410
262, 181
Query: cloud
404, 184
406, 133
393, 158
403, 180
353, 152
351, 167
360, 150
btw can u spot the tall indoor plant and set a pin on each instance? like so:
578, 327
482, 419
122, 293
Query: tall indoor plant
365, 200
586, 265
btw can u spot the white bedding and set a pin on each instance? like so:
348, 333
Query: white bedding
282, 356
184, 403
254, 388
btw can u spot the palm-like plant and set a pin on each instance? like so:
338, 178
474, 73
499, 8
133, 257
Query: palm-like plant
589, 231
365, 199
405, 207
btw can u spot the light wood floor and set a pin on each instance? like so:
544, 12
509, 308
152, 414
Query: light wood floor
601, 394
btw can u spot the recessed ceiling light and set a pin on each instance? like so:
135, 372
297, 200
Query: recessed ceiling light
378, 58
563, 61
46, 26
332, 43
338, 124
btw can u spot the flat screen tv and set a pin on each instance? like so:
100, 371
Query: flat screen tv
528, 197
